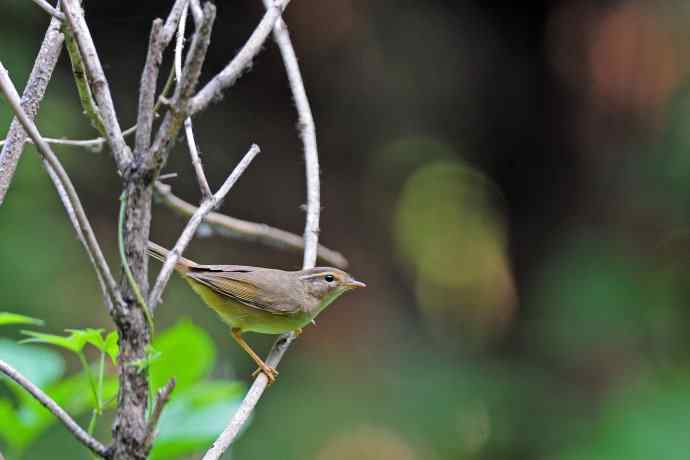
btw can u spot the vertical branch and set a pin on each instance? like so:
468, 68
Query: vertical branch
311, 233
188, 130
147, 90
33, 93
99, 84
308, 135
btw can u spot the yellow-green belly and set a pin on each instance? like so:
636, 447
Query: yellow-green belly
246, 318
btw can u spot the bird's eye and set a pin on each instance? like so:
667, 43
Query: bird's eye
329, 278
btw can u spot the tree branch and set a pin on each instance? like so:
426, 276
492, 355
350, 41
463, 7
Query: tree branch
99, 84
45, 6
147, 90
172, 20
241, 62
47, 402
193, 224
245, 230
173, 120
10, 93
311, 234
33, 93
189, 132
162, 399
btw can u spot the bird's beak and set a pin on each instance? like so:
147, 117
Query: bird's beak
353, 283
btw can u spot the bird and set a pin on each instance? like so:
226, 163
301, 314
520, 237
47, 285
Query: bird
262, 300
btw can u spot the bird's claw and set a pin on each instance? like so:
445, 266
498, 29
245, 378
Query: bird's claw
270, 373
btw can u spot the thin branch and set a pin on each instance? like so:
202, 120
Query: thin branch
241, 62
82, 83
47, 7
172, 20
47, 402
64, 197
311, 233
33, 93
243, 412
10, 92
245, 230
162, 399
308, 136
96, 144
189, 132
147, 90
197, 13
194, 222
99, 84
174, 118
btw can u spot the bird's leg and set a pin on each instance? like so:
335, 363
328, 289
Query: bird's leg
270, 372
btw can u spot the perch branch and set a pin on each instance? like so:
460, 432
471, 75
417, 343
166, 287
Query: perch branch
99, 84
10, 93
193, 224
245, 230
189, 132
33, 93
311, 233
241, 62
47, 402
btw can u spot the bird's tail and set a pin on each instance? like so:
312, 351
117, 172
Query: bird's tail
160, 253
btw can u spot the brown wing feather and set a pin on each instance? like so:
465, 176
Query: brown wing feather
227, 281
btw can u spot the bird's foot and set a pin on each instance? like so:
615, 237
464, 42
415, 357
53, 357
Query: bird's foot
270, 372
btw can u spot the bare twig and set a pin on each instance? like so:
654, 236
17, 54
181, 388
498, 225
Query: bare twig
8, 89
189, 132
245, 230
64, 197
45, 6
99, 84
308, 136
162, 399
33, 93
241, 62
311, 235
193, 224
174, 118
147, 90
171, 21
197, 13
82, 83
96, 144
47, 402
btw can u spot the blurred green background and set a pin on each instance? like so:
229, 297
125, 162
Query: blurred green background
513, 184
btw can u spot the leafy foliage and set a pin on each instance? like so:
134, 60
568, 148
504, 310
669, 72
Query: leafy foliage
198, 409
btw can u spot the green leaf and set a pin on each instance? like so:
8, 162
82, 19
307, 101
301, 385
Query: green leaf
75, 341
13, 318
193, 419
37, 364
187, 353
111, 346
19, 426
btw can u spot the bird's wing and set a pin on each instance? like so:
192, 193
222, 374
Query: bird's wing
232, 281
